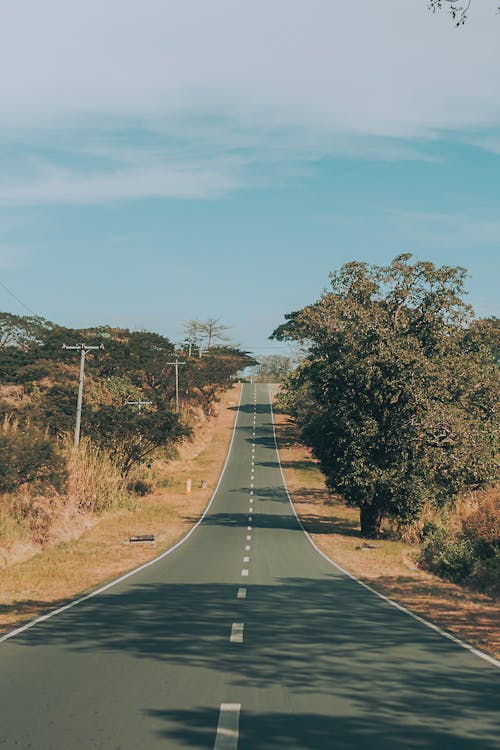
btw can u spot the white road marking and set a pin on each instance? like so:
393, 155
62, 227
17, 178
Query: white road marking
237, 632
247, 548
246, 559
244, 572
242, 594
249, 527
423, 621
124, 577
228, 727
249, 537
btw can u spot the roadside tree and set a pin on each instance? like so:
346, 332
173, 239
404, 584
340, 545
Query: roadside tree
401, 402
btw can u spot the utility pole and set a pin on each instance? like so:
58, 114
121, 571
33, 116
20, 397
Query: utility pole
83, 349
176, 364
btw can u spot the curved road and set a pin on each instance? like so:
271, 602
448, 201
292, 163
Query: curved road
243, 637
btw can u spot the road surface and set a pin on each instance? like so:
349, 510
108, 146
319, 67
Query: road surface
243, 638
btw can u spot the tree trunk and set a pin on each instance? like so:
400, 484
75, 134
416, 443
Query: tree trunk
370, 516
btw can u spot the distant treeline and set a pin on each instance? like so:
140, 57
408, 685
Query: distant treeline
39, 382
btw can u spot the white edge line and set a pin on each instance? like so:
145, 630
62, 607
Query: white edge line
431, 625
107, 586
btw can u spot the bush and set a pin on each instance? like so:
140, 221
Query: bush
450, 557
27, 454
462, 558
139, 487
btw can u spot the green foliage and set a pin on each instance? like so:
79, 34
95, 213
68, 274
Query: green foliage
462, 559
206, 378
273, 368
396, 398
28, 455
131, 437
132, 366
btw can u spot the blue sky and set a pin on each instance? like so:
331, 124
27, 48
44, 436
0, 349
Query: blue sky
161, 161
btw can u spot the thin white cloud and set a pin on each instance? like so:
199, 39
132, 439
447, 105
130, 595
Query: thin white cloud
223, 94
459, 230
388, 68
53, 184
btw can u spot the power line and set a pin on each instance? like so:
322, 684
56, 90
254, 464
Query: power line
17, 299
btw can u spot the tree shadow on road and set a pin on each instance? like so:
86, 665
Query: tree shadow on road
373, 669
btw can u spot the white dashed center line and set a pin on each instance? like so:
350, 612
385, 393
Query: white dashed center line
246, 559
228, 727
237, 632
247, 548
249, 537
244, 572
242, 594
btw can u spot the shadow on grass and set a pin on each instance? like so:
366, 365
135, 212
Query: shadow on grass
331, 525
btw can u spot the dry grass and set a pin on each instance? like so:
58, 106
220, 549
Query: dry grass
95, 485
103, 552
390, 567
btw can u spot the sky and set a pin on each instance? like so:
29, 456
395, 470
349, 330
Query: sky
167, 160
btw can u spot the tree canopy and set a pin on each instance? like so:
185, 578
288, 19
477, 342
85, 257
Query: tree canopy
398, 395
40, 380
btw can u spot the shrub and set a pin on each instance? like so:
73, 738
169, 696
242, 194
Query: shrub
139, 487
467, 549
486, 574
450, 557
27, 454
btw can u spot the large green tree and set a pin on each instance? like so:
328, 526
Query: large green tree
397, 396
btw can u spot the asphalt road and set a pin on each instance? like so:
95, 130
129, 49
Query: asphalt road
243, 637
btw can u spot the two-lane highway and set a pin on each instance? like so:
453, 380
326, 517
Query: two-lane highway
243, 637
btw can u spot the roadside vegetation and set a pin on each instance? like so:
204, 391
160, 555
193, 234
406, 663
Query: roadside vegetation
272, 368
130, 423
398, 399
88, 549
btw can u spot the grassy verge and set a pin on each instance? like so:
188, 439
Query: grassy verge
102, 552
389, 567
